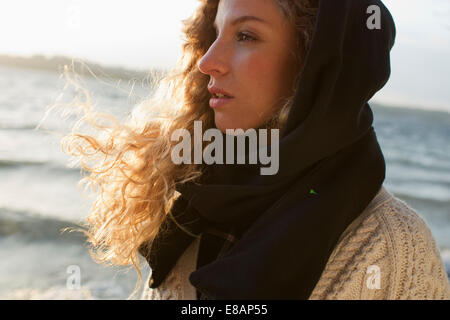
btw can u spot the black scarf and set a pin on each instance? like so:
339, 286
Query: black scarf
270, 237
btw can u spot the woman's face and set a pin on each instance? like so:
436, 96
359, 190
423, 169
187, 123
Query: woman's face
251, 60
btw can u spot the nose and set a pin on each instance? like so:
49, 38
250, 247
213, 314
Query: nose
213, 63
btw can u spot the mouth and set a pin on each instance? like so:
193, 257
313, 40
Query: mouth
219, 100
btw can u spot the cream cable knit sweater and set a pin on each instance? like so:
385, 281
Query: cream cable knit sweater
388, 252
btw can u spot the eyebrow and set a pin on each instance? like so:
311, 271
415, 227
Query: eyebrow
243, 19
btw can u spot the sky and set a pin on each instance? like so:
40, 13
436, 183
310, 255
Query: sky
143, 34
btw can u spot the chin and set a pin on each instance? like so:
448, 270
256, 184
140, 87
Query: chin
223, 128
223, 124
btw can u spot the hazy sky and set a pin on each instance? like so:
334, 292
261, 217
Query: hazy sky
142, 34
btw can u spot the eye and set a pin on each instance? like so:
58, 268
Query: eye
242, 36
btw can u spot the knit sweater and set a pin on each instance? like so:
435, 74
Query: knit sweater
388, 252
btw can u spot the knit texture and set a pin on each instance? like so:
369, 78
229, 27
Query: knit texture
388, 253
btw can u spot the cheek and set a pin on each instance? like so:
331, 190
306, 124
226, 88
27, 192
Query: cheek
255, 70
259, 76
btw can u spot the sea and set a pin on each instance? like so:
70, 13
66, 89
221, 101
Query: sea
39, 193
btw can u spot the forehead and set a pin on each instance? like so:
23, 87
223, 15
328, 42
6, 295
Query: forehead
267, 11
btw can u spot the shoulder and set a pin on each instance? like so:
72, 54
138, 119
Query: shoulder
387, 253
419, 269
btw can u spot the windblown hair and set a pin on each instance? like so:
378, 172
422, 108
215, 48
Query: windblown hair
129, 164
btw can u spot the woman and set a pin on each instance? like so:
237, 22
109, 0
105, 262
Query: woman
322, 226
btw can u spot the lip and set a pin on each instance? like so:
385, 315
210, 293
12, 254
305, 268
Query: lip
218, 102
216, 90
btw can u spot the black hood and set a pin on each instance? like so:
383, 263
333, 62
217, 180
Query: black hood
330, 168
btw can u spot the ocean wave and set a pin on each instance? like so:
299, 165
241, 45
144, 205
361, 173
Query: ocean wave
24, 127
29, 226
51, 166
20, 163
53, 293
407, 162
439, 113
442, 184
35, 126
445, 255
430, 203
93, 290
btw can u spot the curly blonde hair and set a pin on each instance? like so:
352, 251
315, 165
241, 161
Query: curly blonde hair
129, 164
